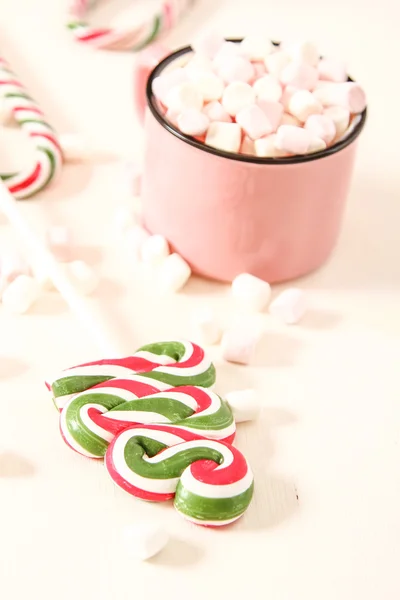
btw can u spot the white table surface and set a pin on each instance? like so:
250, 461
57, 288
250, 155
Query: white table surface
330, 427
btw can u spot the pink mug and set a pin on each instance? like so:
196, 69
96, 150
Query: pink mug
228, 213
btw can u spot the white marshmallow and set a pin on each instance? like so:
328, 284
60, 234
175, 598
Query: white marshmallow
250, 292
266, 148
216, 112
276, 62
224, 136
299, 75
288, 119
340, 116
210, 86
303, 104
349, 94
164, 83
330, 69
82, 276
145, 540
75, 148
206, 328
235, 68
154, 250
245, 405
294, 140
305, 52
273, 111
198, 62
256, 47
20, 294
184, 95
316, 145
59, 242
322, 127
237, 95
192, 122
268, 88
239, 344
254, 122
227, 50
290, 306
134, 239
174, 273
208, 44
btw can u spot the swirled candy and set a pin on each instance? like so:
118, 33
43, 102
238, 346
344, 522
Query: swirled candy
210, 480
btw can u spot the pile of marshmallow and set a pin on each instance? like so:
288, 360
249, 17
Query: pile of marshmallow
22, 279
259, 99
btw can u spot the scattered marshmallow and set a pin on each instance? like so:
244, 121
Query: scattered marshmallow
266, 147
193, 122
224, 136
303, 52
316, 145
208, 44
145, 540
256, 47
235, 68
82, 276
239, 344
206, 328
290, 306
322, 127
210, 86
276, 62
340, 116
134, 239
303, 104
268, 88
174, 273
245, 405
164, 83
182, 96
59, 242
154, 250
254, 122
294, 140
331, 69
350, 95
250, 292
273, 111
216, 112
21, 294
299, 75
237, 95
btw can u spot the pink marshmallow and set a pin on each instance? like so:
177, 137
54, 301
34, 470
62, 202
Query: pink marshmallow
330, 69
322, 127
253, 121
259, 70
193, 122
247, 146
235, 68
295, 140
349, 95
208, 44
216, 112
287, 95
273, 112
299, 75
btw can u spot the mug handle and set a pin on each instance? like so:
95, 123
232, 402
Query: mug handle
146, 62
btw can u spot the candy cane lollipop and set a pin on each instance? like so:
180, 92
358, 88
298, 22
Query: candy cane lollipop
211, 480
124, 39
48, 155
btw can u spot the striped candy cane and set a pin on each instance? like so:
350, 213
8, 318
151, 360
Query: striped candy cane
48, 155
90, 420
210, 480
133, 39
173, 363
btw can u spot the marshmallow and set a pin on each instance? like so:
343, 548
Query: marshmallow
235, 68
276, 62
350, 95
224, 136
216, 112
172, 116
316, 145
259, 70
184, 95
322, 127
303, 52
20, 294
288, 119
250, 292
330, 69
174, 273
239, 344
59, 242
287, 95
253, 121
124, 219
198, 62
294, 140
210, 86
273, 111
266, 148
256, 47
290, 306
237, 95
227, 50
193, 122
247, 146
268, 88
208, 44
303, 104
340, 116
145, 540
134, 240
83, 277
299, 75
164, 83
245, 405
206, 328
154, 250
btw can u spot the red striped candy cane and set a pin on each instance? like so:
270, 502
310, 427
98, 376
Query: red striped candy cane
133, 39
48, 156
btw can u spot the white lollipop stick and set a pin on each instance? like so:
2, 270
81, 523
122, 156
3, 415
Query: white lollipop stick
85, 311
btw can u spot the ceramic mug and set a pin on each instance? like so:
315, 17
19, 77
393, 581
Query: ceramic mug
228, 213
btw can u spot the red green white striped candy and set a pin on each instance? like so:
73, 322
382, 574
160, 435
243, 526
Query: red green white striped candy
162, 364
210, 480
133, 39
48, 156
90, 420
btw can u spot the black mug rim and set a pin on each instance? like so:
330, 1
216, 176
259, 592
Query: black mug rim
340, 145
